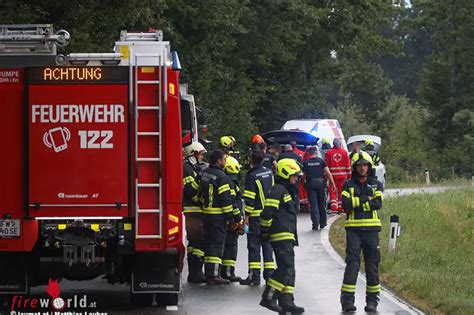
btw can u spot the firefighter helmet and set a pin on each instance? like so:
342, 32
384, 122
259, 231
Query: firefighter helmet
288, 167
326, 140
232, 166
361, 157
369, 142
194, 147
226, 142
257, 139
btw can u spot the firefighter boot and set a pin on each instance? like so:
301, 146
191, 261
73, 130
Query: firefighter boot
216, 280
228, 272
253, 278
269, 299
195, 270
372, 300
347, 302
287, 304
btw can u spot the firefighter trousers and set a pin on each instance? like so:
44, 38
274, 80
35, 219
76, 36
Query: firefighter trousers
215, 231
368, 242
316, 189
256, 245
230, 250
335, 196
195, 248
283, 278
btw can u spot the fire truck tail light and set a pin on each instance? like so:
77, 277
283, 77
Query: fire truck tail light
173, 218
175, 223
171, 89
173, 230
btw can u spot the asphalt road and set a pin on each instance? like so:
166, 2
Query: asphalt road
319, 272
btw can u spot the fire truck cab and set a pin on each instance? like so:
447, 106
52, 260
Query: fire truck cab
92, 177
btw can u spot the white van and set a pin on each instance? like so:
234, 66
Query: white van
321, 128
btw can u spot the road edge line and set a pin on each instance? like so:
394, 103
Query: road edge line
387, 293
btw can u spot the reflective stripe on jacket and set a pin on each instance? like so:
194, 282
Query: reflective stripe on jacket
362, 212
216, 192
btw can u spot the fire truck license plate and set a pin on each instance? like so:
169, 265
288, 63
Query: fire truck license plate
9, 228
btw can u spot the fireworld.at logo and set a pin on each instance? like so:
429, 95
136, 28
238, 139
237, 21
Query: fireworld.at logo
56, 302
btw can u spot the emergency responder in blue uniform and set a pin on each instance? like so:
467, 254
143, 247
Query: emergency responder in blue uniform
278, 222
217, 214
361, 198
232, 169
192, 209
290, 154
258, 182
314, 169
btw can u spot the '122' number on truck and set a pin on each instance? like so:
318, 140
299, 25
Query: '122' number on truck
90, 139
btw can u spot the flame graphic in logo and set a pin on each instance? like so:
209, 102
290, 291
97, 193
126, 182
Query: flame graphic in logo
53, 289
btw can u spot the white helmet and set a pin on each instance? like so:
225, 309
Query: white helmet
194, 147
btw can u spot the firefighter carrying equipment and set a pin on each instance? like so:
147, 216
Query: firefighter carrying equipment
287, 168
361, 198
278, 221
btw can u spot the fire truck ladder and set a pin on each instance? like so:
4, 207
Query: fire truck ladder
31, 39
156, 134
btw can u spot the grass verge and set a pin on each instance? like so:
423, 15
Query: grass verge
433, 265
416, 184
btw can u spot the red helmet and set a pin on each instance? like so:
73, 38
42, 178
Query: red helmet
257, 139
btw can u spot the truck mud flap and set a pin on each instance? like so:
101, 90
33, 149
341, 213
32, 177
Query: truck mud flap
156, 273
13, 274
166, 281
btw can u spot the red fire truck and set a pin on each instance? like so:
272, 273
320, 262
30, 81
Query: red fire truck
92, 148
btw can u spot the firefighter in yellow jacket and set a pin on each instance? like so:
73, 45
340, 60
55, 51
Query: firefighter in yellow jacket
278, 221
361, 198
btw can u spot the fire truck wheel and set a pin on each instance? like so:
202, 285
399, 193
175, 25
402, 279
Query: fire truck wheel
144, 299
165, 299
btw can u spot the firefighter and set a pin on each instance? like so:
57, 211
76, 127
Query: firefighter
325, 147
192, 209
340, 168
355, 149
370, 149
315, 170
278, 221
217, 214
269, 160
232, 169
258, 182
361, 198
227, 144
